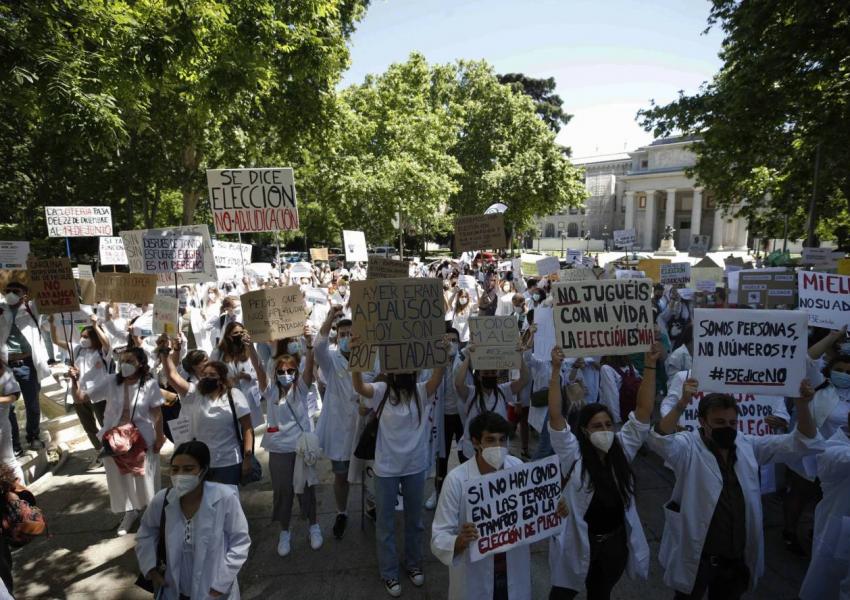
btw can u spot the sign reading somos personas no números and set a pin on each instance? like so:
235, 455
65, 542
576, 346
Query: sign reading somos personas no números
496, 340
514, 507
400, 322
750, 351
594, 318
52, 285
246, 200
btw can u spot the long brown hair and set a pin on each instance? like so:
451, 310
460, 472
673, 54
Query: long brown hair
229, 351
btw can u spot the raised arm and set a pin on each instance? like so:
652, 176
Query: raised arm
522, 381
101, 335
462, 370
646, 392
556, 417
817, 349
168, 359
366, 390
259, 369
805, 422
309, 358
670, 422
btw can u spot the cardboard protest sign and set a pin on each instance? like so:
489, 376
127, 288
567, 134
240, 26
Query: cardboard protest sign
247, 200
706, 270
112, 251
825, 298
576, 274
132, 288
652, 267
85, 283
496, 340
767, 289
734, 263
52, 285
548, 266
134, 246
400, 322
822, 258
231, 254
514, 507
13, 255
699, 245
355, 246
78, 221
624, 238
675, 273
318, 254
750, 351
480, 232
273, 313
165, 314
386, 268
612, 316
173, 253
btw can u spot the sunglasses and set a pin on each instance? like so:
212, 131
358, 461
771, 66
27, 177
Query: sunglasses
287, 372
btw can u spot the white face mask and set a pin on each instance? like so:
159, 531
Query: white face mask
128, 369
12, 298
85, 343
494, 456
183, 484
463, 301
602, 440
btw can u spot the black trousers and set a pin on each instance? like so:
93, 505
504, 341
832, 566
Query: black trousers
6, 564
723, 579
453, 430
607, 564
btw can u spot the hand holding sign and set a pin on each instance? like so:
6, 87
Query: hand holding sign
468, 534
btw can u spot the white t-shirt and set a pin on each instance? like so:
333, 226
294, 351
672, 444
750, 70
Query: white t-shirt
212, 423
8, 386
493, 402
402, 447
290, 415
93, 366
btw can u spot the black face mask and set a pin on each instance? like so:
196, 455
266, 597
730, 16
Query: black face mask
207, 385
724, 437
404, 381
489, 381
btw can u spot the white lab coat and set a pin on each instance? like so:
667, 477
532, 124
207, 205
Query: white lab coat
698, 486
473, 580
31, 330
569, 552
338, 420
220, 535
828, 567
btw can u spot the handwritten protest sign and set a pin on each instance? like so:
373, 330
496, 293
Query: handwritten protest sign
52, 285
699, 245
112, 251
274, 313
134, 246
480, 232
761, 289
496, 340
13, 255
822, 258
355, 246
318, 254
576, 274
652, 267
706, 270
750, 351
400, 322
676, 273
173, 253
165, 314
825, 298
78, 221
611, 316
231, 254
248, 200
548, 266
752, 410
468, 283
132, 288
624, 238
514, 507
386, 268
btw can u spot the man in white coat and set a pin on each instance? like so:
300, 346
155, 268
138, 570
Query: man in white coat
713, 534
500, 576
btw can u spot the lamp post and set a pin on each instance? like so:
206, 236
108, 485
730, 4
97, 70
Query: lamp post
605, 237
587, 239
539, 235
563, 239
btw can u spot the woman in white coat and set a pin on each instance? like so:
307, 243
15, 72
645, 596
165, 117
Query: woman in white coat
206, 533
603, 536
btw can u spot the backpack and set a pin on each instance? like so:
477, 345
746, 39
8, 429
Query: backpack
628, 390
22, 520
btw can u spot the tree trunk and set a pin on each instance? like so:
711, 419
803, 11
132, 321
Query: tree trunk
191, 162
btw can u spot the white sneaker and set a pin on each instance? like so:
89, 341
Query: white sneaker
127, 522
284, 547
431, 502
316, 539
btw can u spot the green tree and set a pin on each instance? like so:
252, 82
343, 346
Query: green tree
547, 103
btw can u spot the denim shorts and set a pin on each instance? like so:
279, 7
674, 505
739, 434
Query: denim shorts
340, 467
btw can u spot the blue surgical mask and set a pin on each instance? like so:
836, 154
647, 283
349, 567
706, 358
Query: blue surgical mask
344, 344
840, 380
286, 379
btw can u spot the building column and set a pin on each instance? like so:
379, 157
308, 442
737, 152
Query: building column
649, 221
696, 212
669, 221
629, 199
741, 233
717, 232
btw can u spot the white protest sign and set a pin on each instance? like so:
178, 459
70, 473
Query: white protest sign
752, 410
231, 254
165, 314
299, 270
544, 336
629, 274
612, 316
576, 274
83, 272
709, 286
247, 200
823, 258
78, 221
750, 351
13, 255
516, 267
496, 340
355, 246
514, 507
574, 256
173, 253
676, 273
181, 428
134, 246
112, 251
624, 238
825, 298
548, 266
468, 283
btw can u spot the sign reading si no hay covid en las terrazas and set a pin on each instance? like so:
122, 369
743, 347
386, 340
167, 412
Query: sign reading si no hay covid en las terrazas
253, 200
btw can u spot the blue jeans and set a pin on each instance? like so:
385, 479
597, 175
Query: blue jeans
27, 377
386, 491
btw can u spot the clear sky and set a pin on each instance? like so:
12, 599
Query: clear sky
608, 57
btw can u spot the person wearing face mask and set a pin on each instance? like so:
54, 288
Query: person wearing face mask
404, 410
603, 536
229, 313
461, 309
488, 299
504, 575
245, 371
132, 396
288, 420
204, 529
717, 474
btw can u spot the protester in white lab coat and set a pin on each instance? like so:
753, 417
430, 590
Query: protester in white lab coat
10, 391
829, 571
680, 359
206, 533
717, 474
603, 536
245, 370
